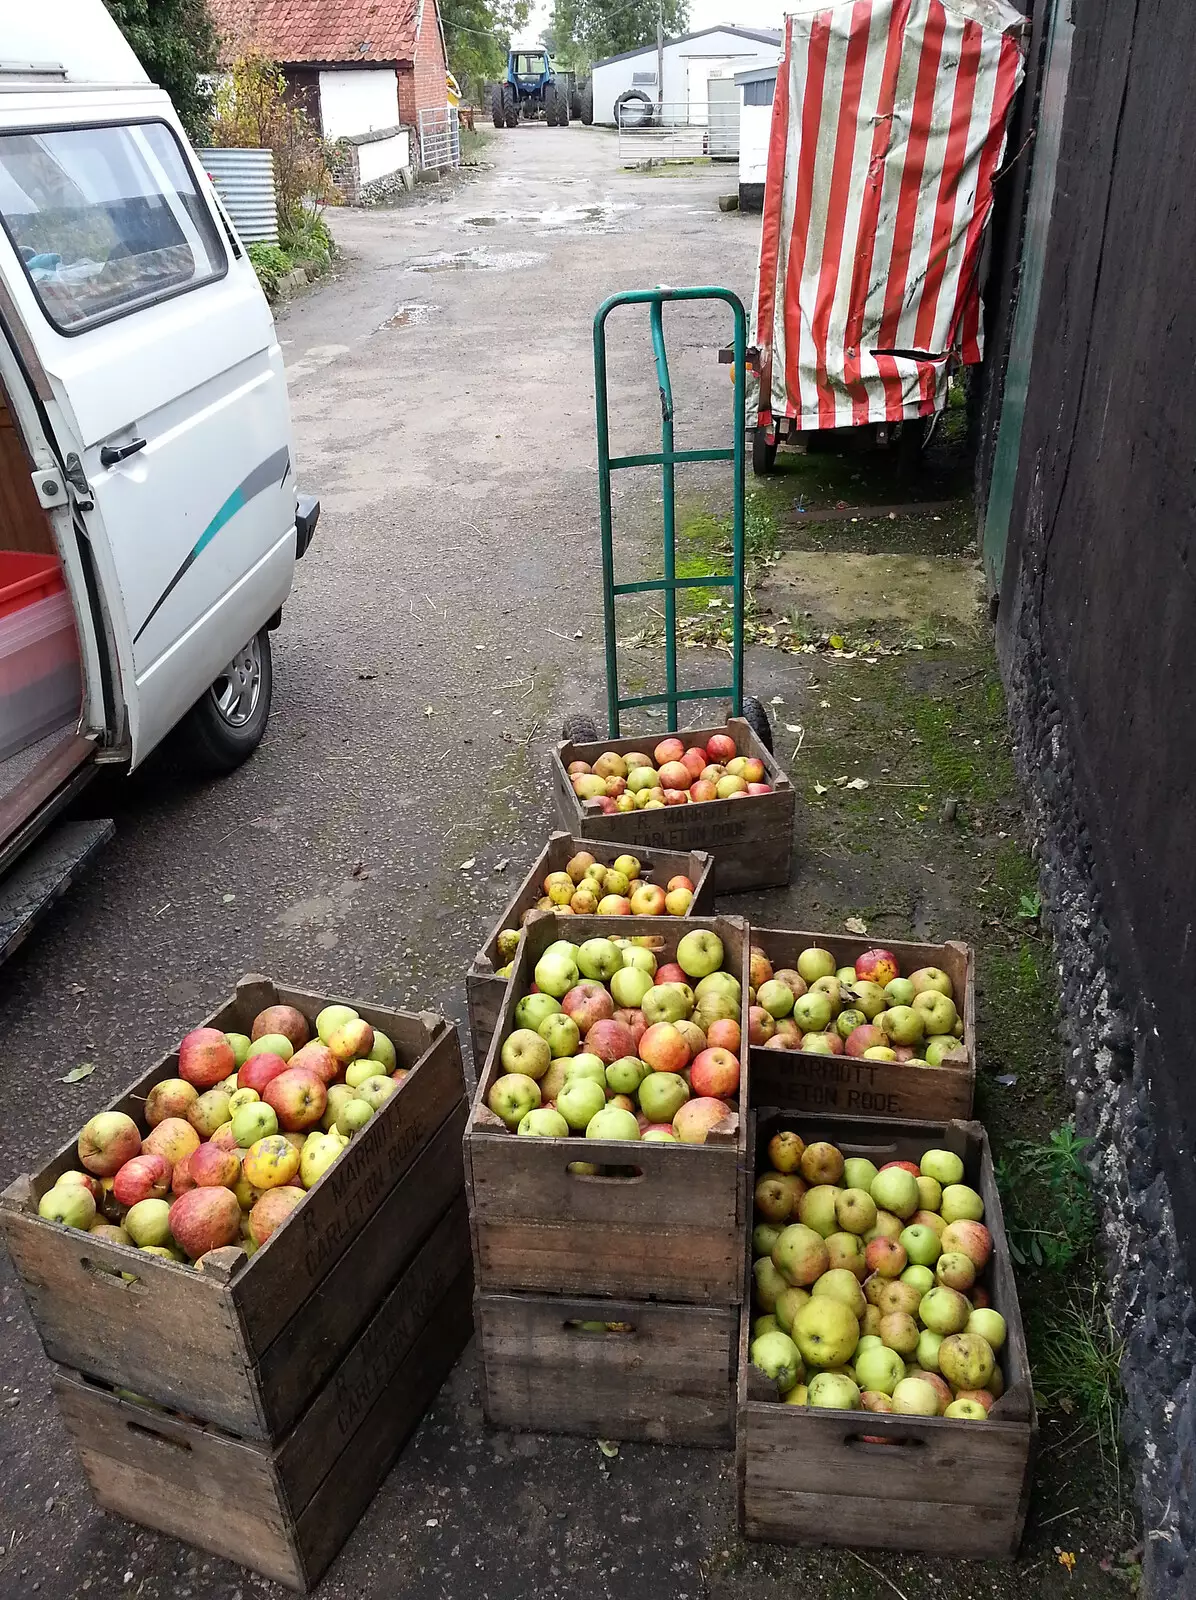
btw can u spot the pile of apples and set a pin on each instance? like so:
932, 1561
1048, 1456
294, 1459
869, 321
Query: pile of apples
672, 775
869, 1284
230, 1147
610, 1045
867, 1010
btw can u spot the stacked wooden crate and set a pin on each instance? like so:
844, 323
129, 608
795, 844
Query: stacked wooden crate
254, 1406
607, 1301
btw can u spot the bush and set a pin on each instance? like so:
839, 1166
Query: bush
307, 238
271, 265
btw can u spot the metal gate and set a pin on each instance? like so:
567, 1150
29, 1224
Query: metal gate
674, 131
440, 137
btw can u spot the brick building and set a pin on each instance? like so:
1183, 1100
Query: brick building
370, 73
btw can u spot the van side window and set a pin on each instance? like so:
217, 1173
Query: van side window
105, 220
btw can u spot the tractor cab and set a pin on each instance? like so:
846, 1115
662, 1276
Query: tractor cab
530, 69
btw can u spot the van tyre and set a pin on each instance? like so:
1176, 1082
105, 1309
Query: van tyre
225, 726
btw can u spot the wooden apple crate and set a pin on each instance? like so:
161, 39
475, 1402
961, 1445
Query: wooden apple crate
751, 840
849, 1086
665, 1377
246, 1342
667, 1225
285, 1510
484, 990
936, 1485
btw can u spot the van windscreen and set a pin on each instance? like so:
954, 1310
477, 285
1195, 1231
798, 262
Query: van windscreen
105, 219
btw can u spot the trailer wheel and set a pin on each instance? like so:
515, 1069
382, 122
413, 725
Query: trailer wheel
497, 108
585, 105
764, 455
225, 726
756, 718
579, 727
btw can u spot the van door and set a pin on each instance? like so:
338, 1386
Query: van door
169, 388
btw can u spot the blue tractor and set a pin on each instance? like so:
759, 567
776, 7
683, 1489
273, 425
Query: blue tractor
533, 89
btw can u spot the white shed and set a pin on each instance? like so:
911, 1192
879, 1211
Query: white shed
757, 89
689, 62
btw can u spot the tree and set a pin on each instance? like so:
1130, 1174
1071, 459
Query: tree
177, 44
478, 36
598, 28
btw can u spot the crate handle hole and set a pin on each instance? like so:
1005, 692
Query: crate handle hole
873, 1441
114, 1275
158, 1438
607, 1175
599, 1330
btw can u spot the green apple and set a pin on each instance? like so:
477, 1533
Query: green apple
70, 1204
848, 1021
956, 1270
777, 1357
625, 1075
930, 1194
358, 1071
613, 1123
544, 1123
765, 1324
339, 1095
240, 1043
320, 1151
635, 955
855, 1210
585, 1066
921, 1244
512, 1096
869, 998
896, 1190
148, 1223
966, 1360
921, 1278
886, 1226
599, 960
580, 1101
532, 1010
902, 1024
945, 1311
840, 1284
776, 998
944, 1166
272, 1044
764, 1234
879, 1052
700, 953
667, 1002
556, 973
990, 1325
927, 1353
938, 1013
869, 1341
383, 1051
936, 1049
961, 1204
847, 1250
253, 1122
525, 1051
914, 1397
789, 1303
629, 986
826, 1331
833, 1391
354, 1115
846, 976
899, 992
858, 1173
812, 1011
375, 1091
768, 1284
719, 983
332, 1019
659, 1135
932, 978
817, 1209
815, 963
561, 1034
661, 1096
878, 1368
800, 1255
967, 1411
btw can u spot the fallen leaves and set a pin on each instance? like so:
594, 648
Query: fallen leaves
856, 925
471, 861
77, 1074
821, 788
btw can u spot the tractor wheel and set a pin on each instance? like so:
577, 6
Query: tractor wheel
552, 109
510, 104
497, 109
564, 108
634, 109
756, 718
585, 104
580, 728
764, 455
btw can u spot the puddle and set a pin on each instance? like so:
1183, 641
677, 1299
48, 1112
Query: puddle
850, 587
597, 217
408, 316
482, 260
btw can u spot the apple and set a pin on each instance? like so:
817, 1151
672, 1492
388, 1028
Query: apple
879, 1368
961, 1410
210, 1167
988, 1325
768, 1284
886, 1226
894, 1294
721, 747
956, 1271
148, 1223
847, 1022
205, 1219
84, 1180
146, 1177
825, 1331
664, 1048
319, 1060
599, 960
562, 1036
902, 1025
670, 749
937, 1012
858, 1172
936, 1049
812, 1012
71, 1204
623, 1077
357, 1072
581, 1066
788, 1303
277, 1044
899, 1332
822, 1163
838, 1283
855, 1211
927, 1353
961, 1204
930, 1194
793, 979
724, 1034
928, 1219
667, 1002
239, 1043
944, 1166
556, 973
761, 1025
774, 1200
945, 1311
650, 900
885, 1257
921, 1244
785, 1150
642, 778
776, 998
209, 1111
800, 1255
966, 1360
173, 1097
608, 1041
271, 1211
675, 775
895, 1190
922, 1278
817, 1209
764, 1236
339, 1095
915, 1397
259, 1070
578, 865
543, 1123
108, 1140
298, 1099
777, 1356
729, 785
286, 1020
375, 1091
528, 1053
765, 1324
630, 986
331, 1018
815, 963
661, 1096
700, 953
613, 1122
833, 1391
206, 1058
697, 1118
899, 992
532, 1009
714, 1072
512, 1096
580, 1101
172, 1138
270, 1162
670, 973
353, 1115
588, 785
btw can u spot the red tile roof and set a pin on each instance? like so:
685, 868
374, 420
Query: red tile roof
322, 30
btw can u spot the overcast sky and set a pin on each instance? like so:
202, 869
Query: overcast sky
702, 14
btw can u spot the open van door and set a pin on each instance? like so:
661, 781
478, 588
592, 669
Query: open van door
169, 399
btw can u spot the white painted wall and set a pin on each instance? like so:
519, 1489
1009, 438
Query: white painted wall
358, 100
384, 156
686, 63
755, 124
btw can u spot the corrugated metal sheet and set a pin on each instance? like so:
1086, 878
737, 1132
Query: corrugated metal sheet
888, 125
244, 180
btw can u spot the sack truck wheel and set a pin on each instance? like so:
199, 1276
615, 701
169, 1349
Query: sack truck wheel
764, 455
756, 718
497, 110
580, 728
225, 726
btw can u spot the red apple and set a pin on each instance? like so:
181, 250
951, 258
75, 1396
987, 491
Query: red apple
694, 760
908, 1166
715, 1072
671, 973
108, 1141
210, 1167
633, 1019
668, 750
724, 1035
675, 775
172, 1138
676, 797
315, 1057
753, 770
679, 882
615, 787
664, 1048
298, 1099
206, 1058
181, 1179
788, 1030
877, 966
587, 1003
886, 1257
173, 1097
579, 769
648, 901
259, 1070
610, 1040
608, 806
272, 1210
761, 1025
759, 788
973, 1238
205, 1219
697, 1117
85, 1181
866, 1037
721, 747
285, 1020
614, 905
145, 1177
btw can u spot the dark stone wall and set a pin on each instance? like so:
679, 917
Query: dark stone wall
1096, 626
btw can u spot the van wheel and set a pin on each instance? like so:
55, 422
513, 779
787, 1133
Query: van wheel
225, 727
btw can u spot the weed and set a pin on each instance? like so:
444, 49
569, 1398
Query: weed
1047, 1193
1029, 907
1077, 1364
271, 265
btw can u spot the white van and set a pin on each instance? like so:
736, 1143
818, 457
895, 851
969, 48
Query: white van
149, 515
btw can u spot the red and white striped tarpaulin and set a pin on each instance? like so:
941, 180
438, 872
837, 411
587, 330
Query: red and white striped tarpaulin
887, 128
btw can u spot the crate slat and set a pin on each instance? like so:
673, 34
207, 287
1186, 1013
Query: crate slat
751, 840
484, 990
